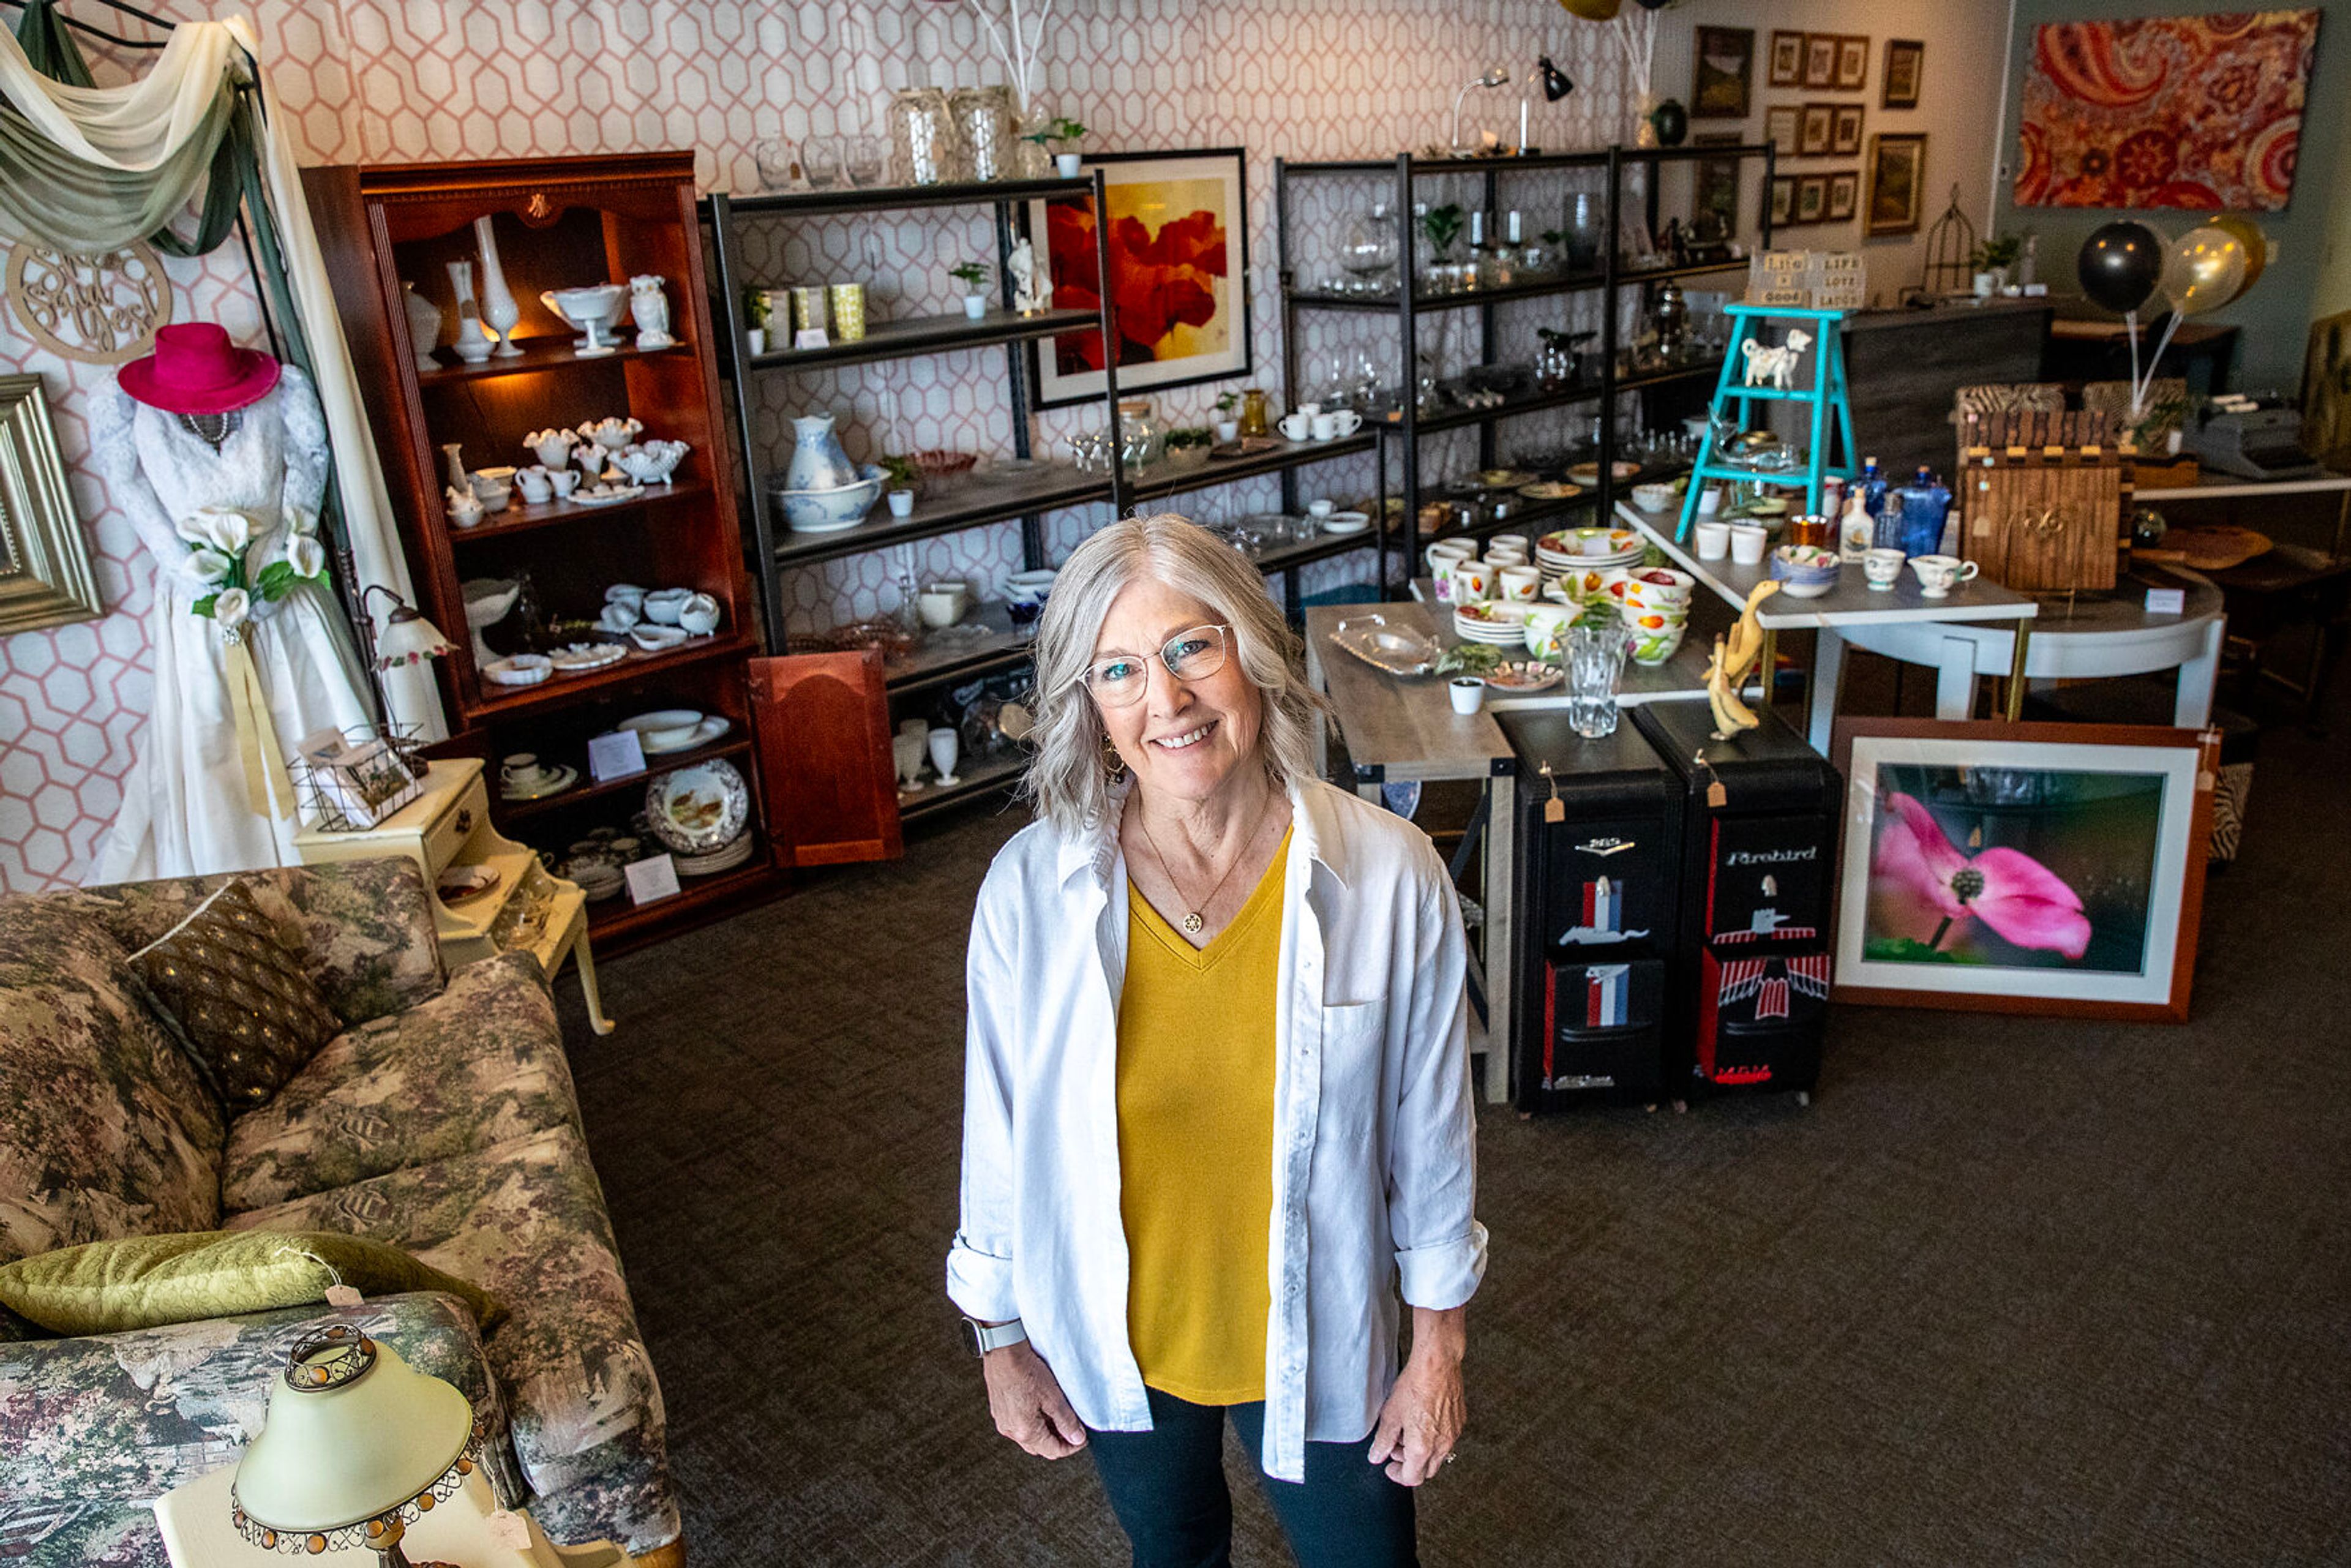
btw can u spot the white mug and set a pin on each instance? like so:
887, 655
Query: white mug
1511, 541
1339, 421
1297, 424
1469, 694
1939, 573
1472, 581
1883, 568
1709, 501
1521, 584
1713, 540
1747, 543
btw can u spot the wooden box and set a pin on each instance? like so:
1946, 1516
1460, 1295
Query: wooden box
2047, 500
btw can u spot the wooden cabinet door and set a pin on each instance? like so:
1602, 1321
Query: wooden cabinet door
823, 722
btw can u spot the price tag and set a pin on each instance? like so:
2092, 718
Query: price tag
651, 881
341, 1295
811, 338
509, 1530
616, 756
2167, 602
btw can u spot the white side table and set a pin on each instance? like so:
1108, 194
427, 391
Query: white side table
194, 1519
449, 825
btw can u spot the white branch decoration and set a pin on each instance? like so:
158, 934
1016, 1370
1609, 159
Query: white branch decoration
1636, 30
1017, 43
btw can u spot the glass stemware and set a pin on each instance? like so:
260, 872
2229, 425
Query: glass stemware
821, 163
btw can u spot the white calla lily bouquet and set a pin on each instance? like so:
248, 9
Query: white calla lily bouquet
220, 543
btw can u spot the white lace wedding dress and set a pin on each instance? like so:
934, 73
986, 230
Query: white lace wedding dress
185, 808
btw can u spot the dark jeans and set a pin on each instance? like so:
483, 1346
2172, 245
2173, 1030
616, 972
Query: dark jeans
1167, 1488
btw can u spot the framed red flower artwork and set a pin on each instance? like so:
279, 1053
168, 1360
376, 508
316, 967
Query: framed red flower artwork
2196, 112
2042, 868
1179, 242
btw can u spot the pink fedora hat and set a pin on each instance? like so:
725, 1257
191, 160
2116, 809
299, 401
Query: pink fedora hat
196, 369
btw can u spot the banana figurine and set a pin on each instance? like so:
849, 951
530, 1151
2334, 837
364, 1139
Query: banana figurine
1726, 674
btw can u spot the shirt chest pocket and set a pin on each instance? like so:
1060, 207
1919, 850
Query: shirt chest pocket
1354, 1040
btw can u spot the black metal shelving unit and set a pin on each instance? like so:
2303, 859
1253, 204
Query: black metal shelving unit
1408, 304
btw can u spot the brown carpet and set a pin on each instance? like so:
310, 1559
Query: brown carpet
2011, 1291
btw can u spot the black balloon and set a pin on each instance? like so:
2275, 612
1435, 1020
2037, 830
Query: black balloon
2120, 265
1655, 5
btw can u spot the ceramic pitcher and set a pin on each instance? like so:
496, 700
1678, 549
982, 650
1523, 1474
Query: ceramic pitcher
818, 461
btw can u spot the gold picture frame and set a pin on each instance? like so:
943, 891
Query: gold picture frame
45, 572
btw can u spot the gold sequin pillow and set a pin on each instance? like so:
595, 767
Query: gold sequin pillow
244, 1009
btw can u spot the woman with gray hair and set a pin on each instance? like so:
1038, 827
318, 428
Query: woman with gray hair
1216, 1105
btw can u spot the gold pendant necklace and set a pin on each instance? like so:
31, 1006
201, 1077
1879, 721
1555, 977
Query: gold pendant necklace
1192, 920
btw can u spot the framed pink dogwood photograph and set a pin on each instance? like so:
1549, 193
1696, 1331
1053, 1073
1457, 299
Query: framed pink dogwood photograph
2030, 868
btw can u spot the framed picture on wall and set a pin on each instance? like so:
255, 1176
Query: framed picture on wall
1178, 227
1904, 59
1853, 63
1722, 65
1780, 128
1782, 199
1845, 140
1787, 60
2025, 868
1819, 131
1811, 198
45, 579
1897, 170
1714, 187
1819, 59
1844, 196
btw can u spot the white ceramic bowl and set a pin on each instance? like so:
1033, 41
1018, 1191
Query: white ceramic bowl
519, 670
1654, 497
666, 727
825, 511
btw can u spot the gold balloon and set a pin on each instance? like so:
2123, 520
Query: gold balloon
2257, 245
1591, 10
2203, 270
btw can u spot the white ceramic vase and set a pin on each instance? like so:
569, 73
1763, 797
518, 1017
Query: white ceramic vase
945, 746
498, 308
424, 326
473, 344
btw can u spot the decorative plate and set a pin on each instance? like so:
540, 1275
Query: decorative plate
460, 883
608, 495
696, 809
584, 656
1394, 649
1589, 473
1524, 676
1505, 478
1549, 490
521, 670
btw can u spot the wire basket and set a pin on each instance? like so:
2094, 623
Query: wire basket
374, 772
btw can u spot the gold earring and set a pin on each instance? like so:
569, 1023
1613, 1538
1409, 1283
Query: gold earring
1112, 760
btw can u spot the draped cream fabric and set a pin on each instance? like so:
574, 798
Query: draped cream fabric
154, 138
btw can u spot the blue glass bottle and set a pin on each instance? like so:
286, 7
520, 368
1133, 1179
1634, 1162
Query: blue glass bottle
1873, 487
1925, 503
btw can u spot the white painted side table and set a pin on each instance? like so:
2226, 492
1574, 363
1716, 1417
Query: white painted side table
197, 1534
449, 825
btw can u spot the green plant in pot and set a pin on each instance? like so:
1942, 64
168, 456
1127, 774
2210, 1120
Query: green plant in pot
1061, 137
973, 276
1992, 259
1228, 421
1188, 446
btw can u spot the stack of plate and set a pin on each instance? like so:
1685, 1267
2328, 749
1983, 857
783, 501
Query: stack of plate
599, 879
716, 861
1565, 551
1502, 625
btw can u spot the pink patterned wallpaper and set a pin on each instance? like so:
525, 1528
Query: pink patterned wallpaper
395, 80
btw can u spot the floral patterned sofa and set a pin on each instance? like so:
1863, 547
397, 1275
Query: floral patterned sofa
442, 1121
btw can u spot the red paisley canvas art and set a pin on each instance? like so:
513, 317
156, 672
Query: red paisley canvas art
2196, 112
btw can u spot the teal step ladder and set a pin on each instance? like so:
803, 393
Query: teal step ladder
1827, 392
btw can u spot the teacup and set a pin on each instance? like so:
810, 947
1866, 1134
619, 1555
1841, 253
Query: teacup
1518, 542
522, 772
1473, 580
1339, 421
1883, 568
485, 480
1499, 558
1519, 585
536, 482
1297, 424
1748, 542
620, 615
1320, 508
497, 499
699, 615
562, 481
1938, 574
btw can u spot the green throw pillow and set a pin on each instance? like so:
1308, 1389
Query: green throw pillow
147, 1281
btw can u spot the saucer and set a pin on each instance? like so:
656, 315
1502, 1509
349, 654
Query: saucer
608, 495
709, 730
550, 782
521, 670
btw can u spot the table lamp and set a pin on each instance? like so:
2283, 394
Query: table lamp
356, 1445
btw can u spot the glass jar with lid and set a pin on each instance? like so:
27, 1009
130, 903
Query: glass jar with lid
1140, 439
1367, 251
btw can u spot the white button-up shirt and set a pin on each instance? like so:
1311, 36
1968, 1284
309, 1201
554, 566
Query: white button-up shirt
1375, 1169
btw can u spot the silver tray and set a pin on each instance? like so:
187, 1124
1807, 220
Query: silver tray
1394, 649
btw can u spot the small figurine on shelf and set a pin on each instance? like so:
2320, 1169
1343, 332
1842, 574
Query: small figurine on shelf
1061, 135
1777, 366
1031, 294
973, 276
648, 308
1228, 424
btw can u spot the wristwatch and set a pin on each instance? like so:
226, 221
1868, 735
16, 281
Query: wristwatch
983, 1338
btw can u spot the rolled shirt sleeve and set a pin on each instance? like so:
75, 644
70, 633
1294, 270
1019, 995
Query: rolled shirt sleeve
1440, 1247
979, 1261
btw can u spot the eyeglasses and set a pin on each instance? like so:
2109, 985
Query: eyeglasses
1118, 679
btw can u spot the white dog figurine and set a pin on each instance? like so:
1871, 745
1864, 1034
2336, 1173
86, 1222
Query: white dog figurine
1778, 365
1031, 293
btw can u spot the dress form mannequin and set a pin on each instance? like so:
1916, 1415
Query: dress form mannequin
201, 424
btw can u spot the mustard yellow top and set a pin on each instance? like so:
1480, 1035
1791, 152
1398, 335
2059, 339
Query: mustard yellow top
1195, 1052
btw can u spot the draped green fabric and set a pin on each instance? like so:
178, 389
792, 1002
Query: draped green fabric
49, 47
89, 210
